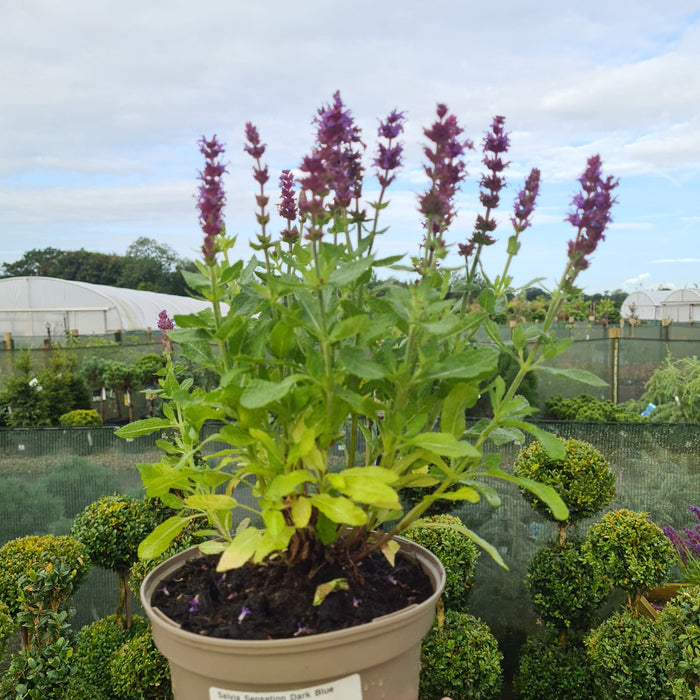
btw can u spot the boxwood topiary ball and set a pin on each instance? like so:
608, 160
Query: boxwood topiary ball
461, 660
112, 529
566, 589
62, 563
680, 620
626, 655
582, 479
138, 670
457, 553
557, 672
96, 645
629, 551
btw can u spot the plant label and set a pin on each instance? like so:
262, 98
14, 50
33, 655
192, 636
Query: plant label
348, 688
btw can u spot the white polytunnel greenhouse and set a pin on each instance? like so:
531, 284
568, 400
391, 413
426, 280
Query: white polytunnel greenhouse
677, 306
31, 306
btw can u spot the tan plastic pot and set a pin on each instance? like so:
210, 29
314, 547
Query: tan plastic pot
377, 660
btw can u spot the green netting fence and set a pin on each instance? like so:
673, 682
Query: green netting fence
48, 475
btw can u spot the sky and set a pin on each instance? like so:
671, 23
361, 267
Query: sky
102, 104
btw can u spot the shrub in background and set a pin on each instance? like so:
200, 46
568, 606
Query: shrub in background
548, 669
44, 670
566, 589
111, 529
629, 551
79, 418
95, 647
460, 658
582, 478
138, 670
40, 574
64, 559
680, 620
626, 653
458, 554
7, 627
587, 408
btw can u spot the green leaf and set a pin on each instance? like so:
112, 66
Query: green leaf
486, 546
339, 509
349, 272
452, 419
365, 489
349, 327
154, 544
552, 350
473, 363
240, 549
444, 444
356, 362
260, 392
375, 472
545, 493
211, 501
465, 493
284, 484
142, 427
551, 443
577, 375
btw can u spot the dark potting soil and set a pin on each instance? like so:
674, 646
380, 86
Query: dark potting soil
275, 600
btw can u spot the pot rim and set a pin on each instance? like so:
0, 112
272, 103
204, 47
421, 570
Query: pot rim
427, 560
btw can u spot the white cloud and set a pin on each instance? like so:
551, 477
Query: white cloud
635, 282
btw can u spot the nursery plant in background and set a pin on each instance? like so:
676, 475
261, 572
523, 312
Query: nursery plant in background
111, 530
680, 619
37, 577
626, 649
459, 656
307, 352
566, 589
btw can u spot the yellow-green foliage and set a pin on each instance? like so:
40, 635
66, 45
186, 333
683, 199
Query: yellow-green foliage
582, 479
80, 417
47, 554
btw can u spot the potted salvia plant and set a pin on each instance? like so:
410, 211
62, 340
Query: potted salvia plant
314, 347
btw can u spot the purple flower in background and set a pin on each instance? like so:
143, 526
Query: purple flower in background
335, 163
244, 613
389, 155
165, 323
253, 148
492, 182
287, 207
211, 198
445, 169
194, 604
591, 213
525, 202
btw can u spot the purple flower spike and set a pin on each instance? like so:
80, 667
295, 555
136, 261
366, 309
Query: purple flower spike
445, 170
244, 613
591, 213
165, 323
334, 165
525, 202
495, 142
194, 604
211, 196
390, 155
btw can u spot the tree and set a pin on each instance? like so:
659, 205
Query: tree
154, 267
